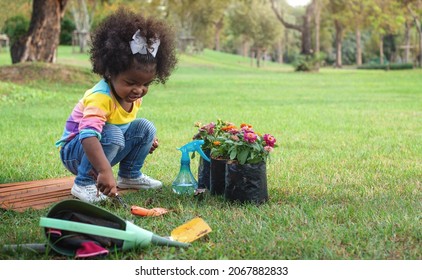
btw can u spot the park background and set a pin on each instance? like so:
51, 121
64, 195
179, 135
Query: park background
345, 181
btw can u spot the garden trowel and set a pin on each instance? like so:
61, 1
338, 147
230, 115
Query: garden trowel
191, 231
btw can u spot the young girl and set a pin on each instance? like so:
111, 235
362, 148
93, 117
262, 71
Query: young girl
130, 52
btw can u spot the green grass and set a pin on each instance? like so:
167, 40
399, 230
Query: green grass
345, 182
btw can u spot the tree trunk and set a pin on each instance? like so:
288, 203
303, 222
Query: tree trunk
317, 31
420, 50
382, 50
217, 39
244, 48
280, 51
406, 42
339, 38
43, 37
358, 48
286, 43
83, 20
83, 37
218, 27
419, 29
304, 29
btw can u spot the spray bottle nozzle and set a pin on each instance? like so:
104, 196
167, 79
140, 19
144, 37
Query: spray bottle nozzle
194, 146
185, 182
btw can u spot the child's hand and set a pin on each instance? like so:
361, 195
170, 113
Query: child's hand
154, 146
107, 184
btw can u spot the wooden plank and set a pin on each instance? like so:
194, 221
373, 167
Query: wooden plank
10, 188
40, 194
27, 193
34, 199
40, 203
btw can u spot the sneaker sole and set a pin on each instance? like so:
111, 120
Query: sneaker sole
75, 194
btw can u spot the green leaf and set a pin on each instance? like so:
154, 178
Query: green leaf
243, 156
233, 154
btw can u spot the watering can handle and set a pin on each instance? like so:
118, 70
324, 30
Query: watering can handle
86, 228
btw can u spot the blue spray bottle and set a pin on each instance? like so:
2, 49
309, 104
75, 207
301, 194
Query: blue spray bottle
185, 183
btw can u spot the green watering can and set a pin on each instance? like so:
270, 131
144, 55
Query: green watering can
72, 222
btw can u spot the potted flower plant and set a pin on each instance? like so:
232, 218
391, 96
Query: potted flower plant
219, 156
246, 152
209, 133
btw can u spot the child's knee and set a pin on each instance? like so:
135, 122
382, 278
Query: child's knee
145, 127
112, 135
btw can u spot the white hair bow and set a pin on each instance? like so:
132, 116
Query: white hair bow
139, 44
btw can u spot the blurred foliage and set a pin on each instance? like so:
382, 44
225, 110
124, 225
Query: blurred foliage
240, 26
68, 26
15, 27
308, 63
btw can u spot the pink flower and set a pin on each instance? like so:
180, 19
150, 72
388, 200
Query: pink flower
246, 128
268, 149
269, 140
250, 137
209, 128
234, 131
234, 137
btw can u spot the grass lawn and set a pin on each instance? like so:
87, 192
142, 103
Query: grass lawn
345, 182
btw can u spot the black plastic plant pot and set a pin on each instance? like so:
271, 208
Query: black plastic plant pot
246, 183
217, 176
204, 169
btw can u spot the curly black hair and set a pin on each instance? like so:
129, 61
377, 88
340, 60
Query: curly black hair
110, 52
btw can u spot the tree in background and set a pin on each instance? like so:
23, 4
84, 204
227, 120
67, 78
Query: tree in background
256, 25
66, 30
240, 25
341, 17
386, 18
414, 7
199, 22
317, 12
182, 13
304, 28
228, 26
83, 21
359, 11
264, 30
14, 8
42, 39
218, 15
15, 27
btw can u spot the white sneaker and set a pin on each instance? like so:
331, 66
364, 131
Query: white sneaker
87, 193
144, 182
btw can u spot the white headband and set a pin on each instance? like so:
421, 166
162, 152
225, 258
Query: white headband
139, 44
